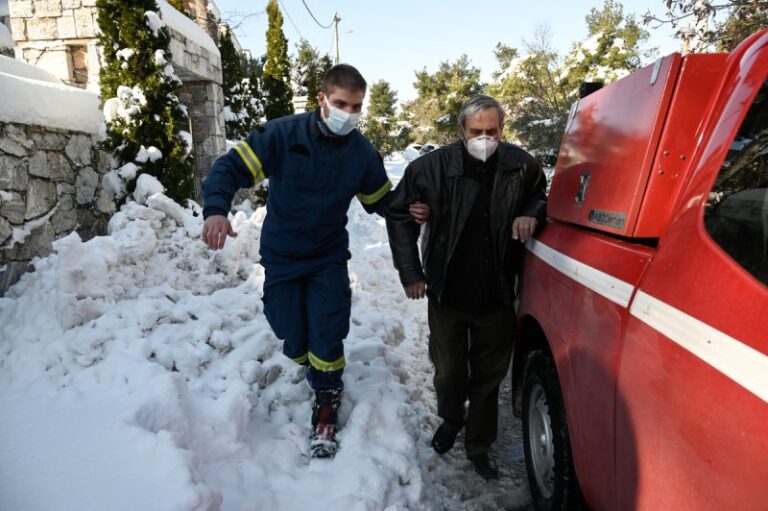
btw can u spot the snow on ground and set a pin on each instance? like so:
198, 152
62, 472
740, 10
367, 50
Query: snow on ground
138, 372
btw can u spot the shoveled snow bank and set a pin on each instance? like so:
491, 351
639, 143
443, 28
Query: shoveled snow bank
186, 27
22, 69
28, 101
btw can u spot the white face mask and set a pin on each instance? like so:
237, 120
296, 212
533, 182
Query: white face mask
482, 147
339, 121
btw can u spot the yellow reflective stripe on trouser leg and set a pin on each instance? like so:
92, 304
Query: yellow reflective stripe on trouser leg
302, 359
375, 196
251, 161
322, 365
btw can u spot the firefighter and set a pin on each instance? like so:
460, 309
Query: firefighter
316, 162
486, 198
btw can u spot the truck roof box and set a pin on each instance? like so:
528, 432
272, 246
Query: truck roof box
627, 147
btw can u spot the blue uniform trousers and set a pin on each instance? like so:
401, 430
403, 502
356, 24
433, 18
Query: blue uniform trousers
307, 303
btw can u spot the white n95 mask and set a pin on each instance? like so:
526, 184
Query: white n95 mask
482, 147
339, 121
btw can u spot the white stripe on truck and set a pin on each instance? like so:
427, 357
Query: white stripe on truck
739, 362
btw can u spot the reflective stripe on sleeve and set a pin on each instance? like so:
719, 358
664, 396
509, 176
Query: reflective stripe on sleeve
251, 161
322, 365
375, 196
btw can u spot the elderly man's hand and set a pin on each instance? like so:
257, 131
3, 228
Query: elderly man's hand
215, 231
419, 211
523, 228
416, 290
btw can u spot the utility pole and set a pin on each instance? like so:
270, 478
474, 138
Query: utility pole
336, 20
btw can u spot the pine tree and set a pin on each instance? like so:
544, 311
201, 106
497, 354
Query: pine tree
277, 67
241, 112
380, 124
139, 91
440, 97
308, 71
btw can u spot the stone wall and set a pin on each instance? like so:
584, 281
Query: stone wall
204, 101
59, 36
50, 185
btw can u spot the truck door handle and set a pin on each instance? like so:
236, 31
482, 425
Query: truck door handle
582, 191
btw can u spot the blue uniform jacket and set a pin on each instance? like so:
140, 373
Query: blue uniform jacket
312, 175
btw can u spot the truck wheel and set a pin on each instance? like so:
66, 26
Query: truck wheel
548, 458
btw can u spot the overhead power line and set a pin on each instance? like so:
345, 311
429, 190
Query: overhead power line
290, 19
313, 16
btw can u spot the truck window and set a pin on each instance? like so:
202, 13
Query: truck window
737, 210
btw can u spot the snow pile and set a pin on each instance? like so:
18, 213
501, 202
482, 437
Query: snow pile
138, 372
19, 68
35, 102
186, 27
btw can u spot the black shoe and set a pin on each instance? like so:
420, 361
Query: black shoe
485, 465
445, 437
325, 412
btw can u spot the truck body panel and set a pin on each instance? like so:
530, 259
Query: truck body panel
656, 328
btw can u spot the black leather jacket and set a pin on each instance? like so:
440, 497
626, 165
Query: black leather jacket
437, 178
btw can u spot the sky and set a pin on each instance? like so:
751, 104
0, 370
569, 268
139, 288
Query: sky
392, 40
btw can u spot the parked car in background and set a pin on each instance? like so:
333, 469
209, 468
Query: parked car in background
641, 366
413, 151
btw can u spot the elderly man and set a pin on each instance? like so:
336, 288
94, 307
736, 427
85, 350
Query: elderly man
486, 199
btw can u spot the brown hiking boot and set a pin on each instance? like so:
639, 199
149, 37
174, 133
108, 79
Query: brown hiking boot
322, 443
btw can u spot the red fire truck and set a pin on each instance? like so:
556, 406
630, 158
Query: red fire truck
641, 366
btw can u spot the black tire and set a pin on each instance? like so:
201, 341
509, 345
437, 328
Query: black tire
551, 475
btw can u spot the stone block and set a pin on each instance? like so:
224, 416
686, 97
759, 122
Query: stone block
18, 134
84, 23
20, 9
19, 30
38, 165
41, 198
65, 219
47, 8
11, 272
70, 4
85, 185
89, 3
60, 168
56, 62
64, 188
10, 146
38, 243
13, 207
13, 174
5, 230
102, 162
66, 26
104, 203
85, 220
49, 141
42, 29
79, 149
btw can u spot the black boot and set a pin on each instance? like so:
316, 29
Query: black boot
325, 416
485, 465
445, 437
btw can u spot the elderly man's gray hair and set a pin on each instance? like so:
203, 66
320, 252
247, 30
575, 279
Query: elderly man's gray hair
475, 105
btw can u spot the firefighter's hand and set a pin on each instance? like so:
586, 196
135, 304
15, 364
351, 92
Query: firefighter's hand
416, 290
523, 228
419, 211
215, 231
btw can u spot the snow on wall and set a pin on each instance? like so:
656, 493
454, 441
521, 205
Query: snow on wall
186, 27
21, 68
6, 40
36, 102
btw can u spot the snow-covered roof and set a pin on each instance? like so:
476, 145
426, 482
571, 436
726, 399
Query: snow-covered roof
186, 27
21, 68
43, 103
